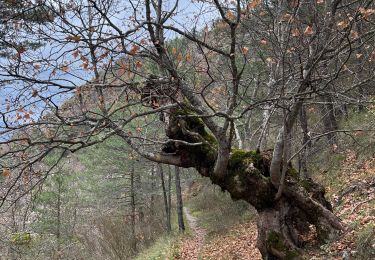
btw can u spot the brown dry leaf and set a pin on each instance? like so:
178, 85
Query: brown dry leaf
73, 38
354, 35
295, 32
244, 50
253, 4
342, 25
188, 57
134, 50
308, 30
6, 172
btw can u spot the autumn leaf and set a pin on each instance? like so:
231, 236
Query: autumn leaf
342, 25
134, 50
295, 32
35, 93
230, 15
244, 50
188, 57
354, 35
64, 68
75, 53
366, 12
21, 50
73, 38
138, 64
6, 172
253, 4
308, 31
179, 57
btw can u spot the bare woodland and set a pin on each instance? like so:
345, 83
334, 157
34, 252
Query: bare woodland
227, 88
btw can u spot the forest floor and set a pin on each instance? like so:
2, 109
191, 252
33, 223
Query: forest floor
192, 246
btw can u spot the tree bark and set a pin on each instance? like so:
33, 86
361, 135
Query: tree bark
306, 143
132, 204
165, 198
169, 193
179, 203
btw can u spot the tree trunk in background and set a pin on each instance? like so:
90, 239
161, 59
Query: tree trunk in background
169, 192
58, 208
306, 143
329, 120
152, 196
165, 197
139, 196
132, 204
179, 204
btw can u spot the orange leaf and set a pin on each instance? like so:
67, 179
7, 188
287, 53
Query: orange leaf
295, 32
188, 57
254, 4
179, 57
134, 50
75, 53
35, 93
21, 50
308, 30
73, 38
244, 50
6, 172
64, 68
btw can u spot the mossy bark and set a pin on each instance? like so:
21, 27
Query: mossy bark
282, 222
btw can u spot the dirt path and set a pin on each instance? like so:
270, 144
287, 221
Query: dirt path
191, 247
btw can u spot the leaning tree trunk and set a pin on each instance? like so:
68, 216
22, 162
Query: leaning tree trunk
282, 223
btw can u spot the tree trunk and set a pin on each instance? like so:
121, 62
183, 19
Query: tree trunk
58, 209
169, 193
305, 144
283, 222
139, 197
152, 196
329, 120
179, 204
166, 206
132, 204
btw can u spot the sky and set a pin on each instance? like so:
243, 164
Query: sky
189, 14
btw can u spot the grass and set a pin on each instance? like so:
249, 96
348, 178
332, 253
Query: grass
215, 210
166, 246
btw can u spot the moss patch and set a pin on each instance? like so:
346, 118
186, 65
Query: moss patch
240, 159
276, 241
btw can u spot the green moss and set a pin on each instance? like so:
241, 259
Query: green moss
276, 241
305, 184
293, 173
21, 238
240, 159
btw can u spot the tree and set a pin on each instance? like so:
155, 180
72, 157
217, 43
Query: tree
179, 204
113, 65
